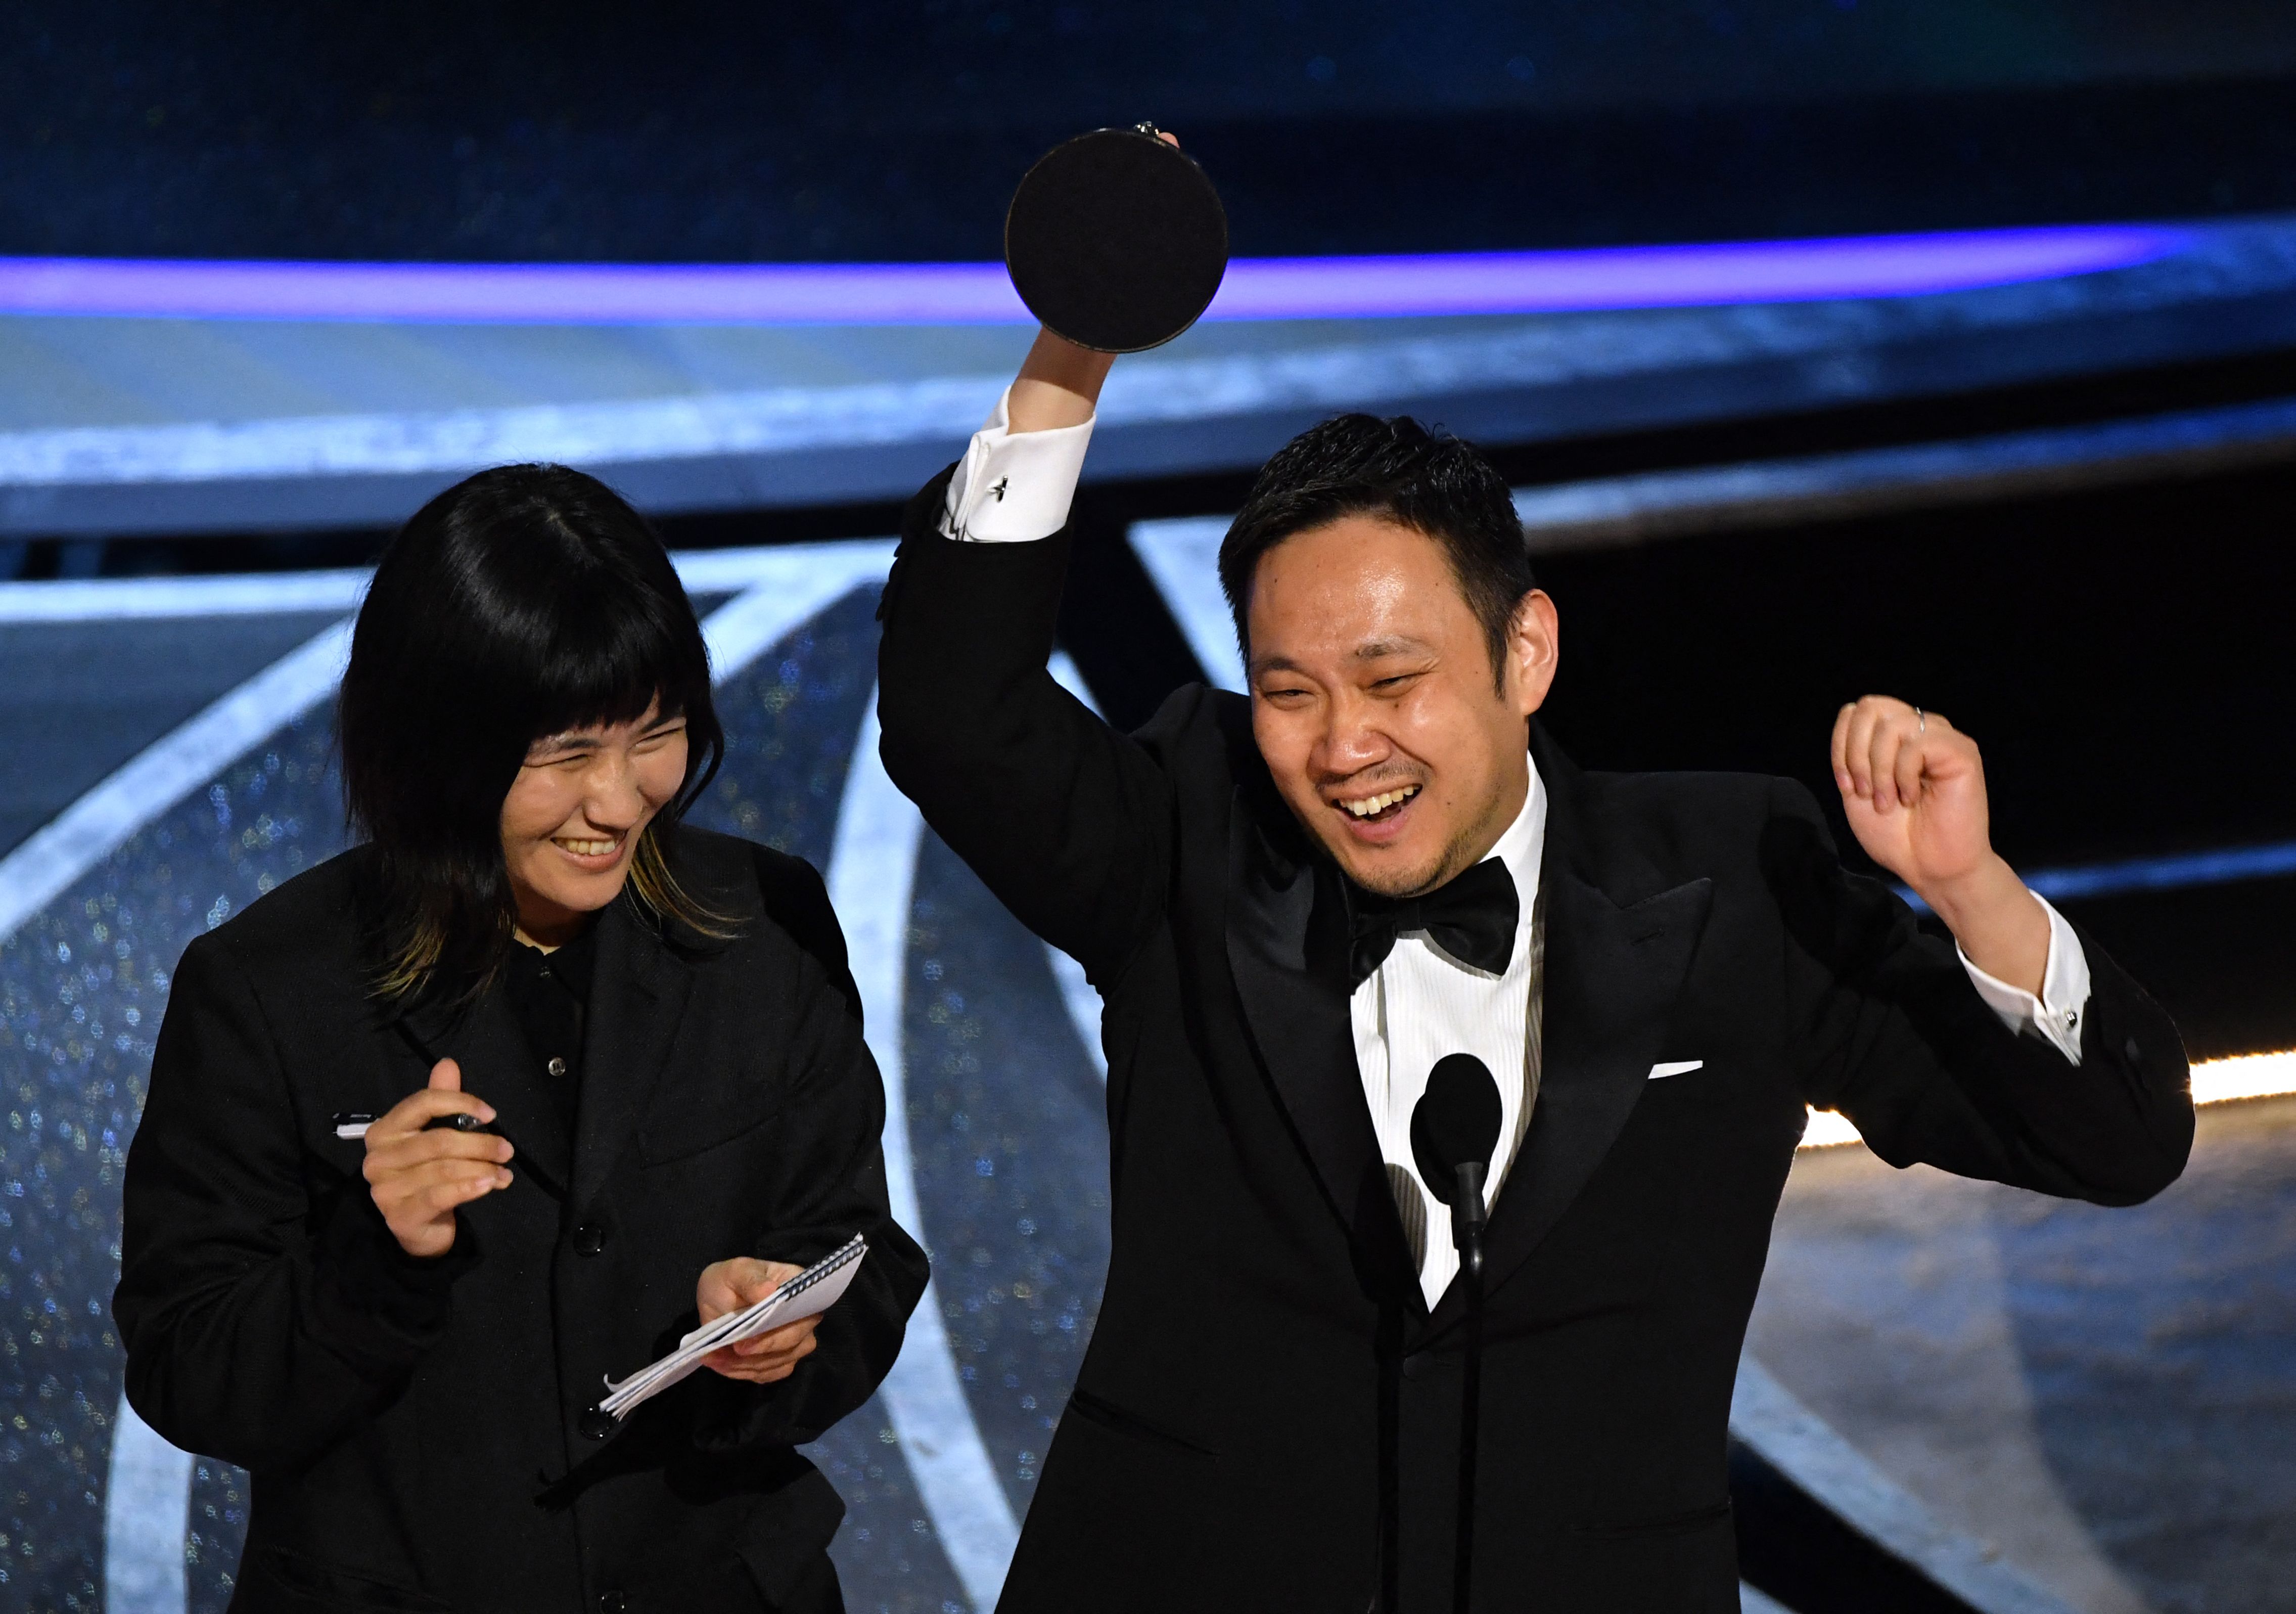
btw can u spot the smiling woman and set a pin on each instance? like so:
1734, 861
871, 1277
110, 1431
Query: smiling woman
580, 810
528, 690
392, 1299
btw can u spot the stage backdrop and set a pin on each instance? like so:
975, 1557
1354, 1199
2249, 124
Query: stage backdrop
996, 1138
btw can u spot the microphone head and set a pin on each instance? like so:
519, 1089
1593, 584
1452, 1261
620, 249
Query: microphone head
1116, 241
1456, 1121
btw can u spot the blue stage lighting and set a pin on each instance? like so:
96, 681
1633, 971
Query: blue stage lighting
978, 294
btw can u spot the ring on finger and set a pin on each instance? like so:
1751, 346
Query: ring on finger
1921, 721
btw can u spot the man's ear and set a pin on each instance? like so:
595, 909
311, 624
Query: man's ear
1534, 643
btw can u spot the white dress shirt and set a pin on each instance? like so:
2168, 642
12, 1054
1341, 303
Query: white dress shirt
1421, 1003
1014, 487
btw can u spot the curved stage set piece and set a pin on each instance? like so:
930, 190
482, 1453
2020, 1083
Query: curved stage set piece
179, 397
996, 1147
1957, 1399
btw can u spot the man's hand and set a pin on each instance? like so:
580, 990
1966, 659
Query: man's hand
729, 1286
1058, 385
1913, 786
418, 1178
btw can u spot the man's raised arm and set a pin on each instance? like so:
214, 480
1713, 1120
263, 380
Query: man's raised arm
2088, 1100
1067, 822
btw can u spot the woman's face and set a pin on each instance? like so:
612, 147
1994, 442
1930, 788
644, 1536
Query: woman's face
571, 820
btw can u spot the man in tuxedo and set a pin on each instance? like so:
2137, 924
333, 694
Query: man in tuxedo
1293, 904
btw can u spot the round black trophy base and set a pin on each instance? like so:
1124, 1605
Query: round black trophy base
1116, 241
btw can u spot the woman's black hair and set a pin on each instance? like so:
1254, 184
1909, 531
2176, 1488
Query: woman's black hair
523, 602
1399, 471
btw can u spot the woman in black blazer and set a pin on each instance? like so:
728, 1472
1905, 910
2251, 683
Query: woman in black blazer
404, 1336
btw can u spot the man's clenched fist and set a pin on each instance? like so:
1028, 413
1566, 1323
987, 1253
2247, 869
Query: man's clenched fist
1913, 786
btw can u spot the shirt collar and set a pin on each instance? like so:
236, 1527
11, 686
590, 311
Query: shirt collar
1523, 845
572, 966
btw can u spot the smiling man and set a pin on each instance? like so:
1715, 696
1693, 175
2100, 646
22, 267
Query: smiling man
1294, 903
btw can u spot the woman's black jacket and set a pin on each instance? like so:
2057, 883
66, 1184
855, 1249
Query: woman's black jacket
416, 1429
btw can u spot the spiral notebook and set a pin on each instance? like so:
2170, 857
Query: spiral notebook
808, 1294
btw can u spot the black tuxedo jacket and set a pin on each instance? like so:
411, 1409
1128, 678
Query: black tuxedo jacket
415, 1429
1262, 1335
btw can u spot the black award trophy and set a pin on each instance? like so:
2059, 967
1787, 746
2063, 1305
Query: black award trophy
1116, 240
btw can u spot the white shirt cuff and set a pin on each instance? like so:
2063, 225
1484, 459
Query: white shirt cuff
1012, 487
2064, 1003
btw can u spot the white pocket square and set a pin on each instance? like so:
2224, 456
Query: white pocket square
1675, 1068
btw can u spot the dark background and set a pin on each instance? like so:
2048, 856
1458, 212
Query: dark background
2117, 650
2120, 648
684, 131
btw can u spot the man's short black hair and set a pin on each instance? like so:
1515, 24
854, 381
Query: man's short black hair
1399, 471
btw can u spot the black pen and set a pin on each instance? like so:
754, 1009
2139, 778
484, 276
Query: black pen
351, 1125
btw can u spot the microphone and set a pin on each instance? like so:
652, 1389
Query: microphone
1455, 1129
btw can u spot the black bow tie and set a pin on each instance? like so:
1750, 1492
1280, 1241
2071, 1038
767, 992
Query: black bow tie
1472, 919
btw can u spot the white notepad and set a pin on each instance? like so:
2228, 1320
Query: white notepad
808, 1294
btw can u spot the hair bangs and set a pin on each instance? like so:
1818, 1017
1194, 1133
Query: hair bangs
607, 657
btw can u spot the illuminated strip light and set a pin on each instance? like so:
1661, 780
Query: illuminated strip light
2214, 1081
1182, 559
1662, 504
2151, 873
53, 858
1967, 1573
1829, 1129
111, 599
2164, 874
871, 877
781, 586
2244, 1076
146, 1495
1369, 287
1078, 996
798, 572
1408, 364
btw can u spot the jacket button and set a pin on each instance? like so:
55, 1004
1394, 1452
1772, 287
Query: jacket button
597, 1423
589, 1238
2130, 1051
612, 1603
1413, 1366
557, 1068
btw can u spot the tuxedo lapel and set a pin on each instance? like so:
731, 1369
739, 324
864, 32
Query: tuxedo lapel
638, 997
1616, 959
1287, 946
483, 1038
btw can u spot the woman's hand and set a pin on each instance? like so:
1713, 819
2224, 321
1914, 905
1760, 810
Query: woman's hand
418, 1178
729, 1286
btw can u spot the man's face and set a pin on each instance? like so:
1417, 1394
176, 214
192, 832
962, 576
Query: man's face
1374, 705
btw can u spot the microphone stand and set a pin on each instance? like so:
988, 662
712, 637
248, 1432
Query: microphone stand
1468, 1215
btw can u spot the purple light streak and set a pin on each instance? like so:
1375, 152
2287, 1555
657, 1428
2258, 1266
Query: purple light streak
978, 294
1677, 277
